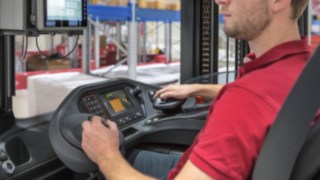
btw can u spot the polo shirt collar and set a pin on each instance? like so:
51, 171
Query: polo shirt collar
273, 55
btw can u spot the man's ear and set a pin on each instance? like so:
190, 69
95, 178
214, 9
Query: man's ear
278, 5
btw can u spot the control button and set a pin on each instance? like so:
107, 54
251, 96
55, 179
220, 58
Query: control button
138, 114
8, 167
128, 119
149, 121
160, 101
121, 121
151, 94
3, 156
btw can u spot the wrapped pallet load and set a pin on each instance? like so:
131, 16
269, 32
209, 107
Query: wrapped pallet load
101, 2
174, 5
123, 2
112, 2
161, 4
94, 1
145, 4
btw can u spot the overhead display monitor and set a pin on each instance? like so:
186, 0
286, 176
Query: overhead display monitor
61, 14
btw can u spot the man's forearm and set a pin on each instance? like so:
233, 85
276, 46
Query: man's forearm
207, 90
116, 167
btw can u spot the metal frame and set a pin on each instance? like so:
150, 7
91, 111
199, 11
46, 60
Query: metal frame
189, 48
7, 81
199, 38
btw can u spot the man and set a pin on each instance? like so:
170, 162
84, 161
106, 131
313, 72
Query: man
243, 111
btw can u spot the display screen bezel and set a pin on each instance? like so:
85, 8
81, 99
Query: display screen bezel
114, 114
65, 23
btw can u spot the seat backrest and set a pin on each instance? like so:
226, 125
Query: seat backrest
287, 136
307, 165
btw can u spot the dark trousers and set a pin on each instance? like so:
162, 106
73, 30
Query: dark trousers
154, 164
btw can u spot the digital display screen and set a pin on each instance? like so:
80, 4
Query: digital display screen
116, 102
117, 105
64, 10
63, 14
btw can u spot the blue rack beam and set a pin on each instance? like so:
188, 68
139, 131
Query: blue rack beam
157, 15
119, 13
109, 13
316, 22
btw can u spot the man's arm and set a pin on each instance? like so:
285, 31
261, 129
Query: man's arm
101, 144
190, 90
118, 168
190, 171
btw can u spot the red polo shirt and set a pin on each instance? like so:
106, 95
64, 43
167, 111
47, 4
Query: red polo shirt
242, 113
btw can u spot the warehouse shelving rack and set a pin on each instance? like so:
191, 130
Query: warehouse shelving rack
132, 15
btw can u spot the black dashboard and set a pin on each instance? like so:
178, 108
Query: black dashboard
130, 104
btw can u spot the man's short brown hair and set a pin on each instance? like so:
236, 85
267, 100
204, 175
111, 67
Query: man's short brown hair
298, 7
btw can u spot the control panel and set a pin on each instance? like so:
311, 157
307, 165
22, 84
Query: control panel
126, 102
93, 106
116, 103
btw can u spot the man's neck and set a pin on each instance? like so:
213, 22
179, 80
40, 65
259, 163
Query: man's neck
274, 35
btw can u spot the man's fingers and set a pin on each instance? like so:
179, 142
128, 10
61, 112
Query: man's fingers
163, 90
95, 119
112, 125
86, 125
166, 95
158, 93
97, 122
85, 134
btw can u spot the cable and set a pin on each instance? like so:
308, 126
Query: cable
42, 53
24, 48
113, 67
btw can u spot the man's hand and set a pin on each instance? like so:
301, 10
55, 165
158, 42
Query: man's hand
175, 91
189, 90
99, 142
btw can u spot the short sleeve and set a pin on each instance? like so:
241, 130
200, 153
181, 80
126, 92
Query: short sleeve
233, 135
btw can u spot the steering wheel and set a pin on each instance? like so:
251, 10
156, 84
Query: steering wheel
66, 135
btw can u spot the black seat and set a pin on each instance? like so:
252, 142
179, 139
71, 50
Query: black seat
308, 163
